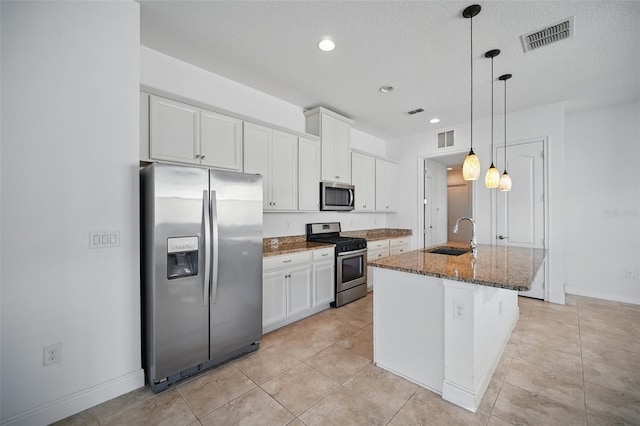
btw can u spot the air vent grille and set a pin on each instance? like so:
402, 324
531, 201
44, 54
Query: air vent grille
415, 111
445, 139
556, 32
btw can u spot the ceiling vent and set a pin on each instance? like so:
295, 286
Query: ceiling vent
445, 139
415, 111
556, 32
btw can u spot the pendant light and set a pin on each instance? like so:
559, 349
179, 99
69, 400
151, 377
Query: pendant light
471, 165
505, 179
492, 178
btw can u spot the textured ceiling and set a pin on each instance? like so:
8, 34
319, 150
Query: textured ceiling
419, 47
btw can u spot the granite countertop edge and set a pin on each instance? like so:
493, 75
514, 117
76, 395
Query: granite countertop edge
278, 246
406, 262
453, 278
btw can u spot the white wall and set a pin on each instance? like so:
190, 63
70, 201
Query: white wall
170, 75
546, 121
603, 202
70, 79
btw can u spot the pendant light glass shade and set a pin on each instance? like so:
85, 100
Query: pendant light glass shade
505, 182
471, 167
492, 178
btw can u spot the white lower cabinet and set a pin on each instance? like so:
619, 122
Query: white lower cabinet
296, 286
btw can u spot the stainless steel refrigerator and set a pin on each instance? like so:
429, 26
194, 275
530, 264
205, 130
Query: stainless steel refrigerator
201, 269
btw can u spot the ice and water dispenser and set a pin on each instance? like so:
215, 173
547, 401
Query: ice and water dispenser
182, 257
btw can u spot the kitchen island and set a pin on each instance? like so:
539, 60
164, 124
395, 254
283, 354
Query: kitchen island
443, 321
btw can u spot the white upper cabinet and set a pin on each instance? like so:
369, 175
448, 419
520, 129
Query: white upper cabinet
363, 177
308, 174
174, 131
334, 131
220, 141
274, 155
187, 134
385, 185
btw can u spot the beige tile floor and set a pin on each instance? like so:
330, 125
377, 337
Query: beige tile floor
564, 365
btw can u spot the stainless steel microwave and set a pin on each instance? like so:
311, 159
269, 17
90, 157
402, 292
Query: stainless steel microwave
336, 196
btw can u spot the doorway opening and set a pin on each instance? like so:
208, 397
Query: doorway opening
444, 199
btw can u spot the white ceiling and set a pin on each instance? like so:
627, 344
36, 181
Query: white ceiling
419, 47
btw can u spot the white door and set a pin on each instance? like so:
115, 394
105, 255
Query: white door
520, 212
457, 207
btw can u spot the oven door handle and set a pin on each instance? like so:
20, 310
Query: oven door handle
352, 253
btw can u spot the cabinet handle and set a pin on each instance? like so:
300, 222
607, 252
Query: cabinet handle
202, 157
364, 207
337, 177
197, 156
326, 254
286, 261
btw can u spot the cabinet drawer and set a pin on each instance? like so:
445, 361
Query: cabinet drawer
397, 250
323, 255
285, 261
377, 254
374, 245
395, 242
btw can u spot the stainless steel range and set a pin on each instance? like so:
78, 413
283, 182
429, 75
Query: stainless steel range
351, 261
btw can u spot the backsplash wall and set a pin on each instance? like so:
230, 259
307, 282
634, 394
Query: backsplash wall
285, 224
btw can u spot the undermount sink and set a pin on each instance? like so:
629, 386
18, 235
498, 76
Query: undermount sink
451, 251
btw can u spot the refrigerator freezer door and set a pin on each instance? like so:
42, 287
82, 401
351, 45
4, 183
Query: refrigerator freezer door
236, 310
176, 315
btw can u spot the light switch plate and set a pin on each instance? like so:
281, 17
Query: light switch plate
104, 239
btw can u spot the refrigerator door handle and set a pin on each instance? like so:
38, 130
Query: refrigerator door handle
214, 225
207, 245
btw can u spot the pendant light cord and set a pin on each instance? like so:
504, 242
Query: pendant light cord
505, 125
471, 61
492, 111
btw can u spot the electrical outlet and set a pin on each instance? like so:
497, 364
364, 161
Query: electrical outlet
52, 354
500, 307
458, 310
287, 224
629, 274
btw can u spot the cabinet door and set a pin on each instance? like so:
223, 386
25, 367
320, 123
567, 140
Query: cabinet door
385, 184
327, 132
174, 131
363, 178
220, 141
342, 149
144, 126
284, 171
308, 174
299, 283
274, 297
323, 283
257, 141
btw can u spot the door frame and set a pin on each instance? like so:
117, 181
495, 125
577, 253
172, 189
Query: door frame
545, 191
420, 196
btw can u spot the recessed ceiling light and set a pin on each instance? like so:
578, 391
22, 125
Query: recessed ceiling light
434, 120
386, 89
326, 45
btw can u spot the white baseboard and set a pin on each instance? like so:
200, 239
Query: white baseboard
77, 402
599, 294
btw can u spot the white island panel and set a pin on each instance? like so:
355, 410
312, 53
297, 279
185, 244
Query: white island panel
408, 327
